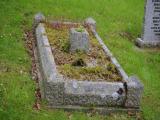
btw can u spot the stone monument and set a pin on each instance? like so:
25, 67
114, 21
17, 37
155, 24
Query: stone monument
79, 40
151, 29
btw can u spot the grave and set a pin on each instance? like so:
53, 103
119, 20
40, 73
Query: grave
151, 29
84, 78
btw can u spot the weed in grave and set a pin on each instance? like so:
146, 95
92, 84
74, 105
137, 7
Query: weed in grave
80, 29
64, 45
79, 62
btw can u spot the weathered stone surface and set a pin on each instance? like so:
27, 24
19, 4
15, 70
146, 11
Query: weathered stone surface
88, 87
91, 22
46, 58
54, 93
90, 100
38, 18
134, 93
62, 93
151, 29
52, 83
92, 93
79, 40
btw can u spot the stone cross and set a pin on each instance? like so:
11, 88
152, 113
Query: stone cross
151, 28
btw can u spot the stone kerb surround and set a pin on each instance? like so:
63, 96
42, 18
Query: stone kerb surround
84, 95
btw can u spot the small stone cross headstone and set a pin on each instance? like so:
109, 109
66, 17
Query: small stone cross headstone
151, 29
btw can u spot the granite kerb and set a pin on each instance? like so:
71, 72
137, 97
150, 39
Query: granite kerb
59, 91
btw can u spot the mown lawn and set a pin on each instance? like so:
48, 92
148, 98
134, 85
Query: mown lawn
119, 22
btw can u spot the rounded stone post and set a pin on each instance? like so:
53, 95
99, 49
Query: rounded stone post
91, 22
38, 18
134, 92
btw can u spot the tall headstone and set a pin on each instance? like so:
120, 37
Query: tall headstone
151, 28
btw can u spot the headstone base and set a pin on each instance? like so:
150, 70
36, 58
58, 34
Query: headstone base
147, 44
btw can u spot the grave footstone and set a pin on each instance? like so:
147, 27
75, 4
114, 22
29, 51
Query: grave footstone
151, 28
79, 40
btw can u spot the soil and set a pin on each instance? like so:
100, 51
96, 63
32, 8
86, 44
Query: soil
91, 66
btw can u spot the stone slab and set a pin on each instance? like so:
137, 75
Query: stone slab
93, 93
94, 88
45, 54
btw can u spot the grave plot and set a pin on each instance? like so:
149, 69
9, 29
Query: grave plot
79, 72
85, 60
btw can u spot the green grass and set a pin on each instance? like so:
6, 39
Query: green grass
114, 17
